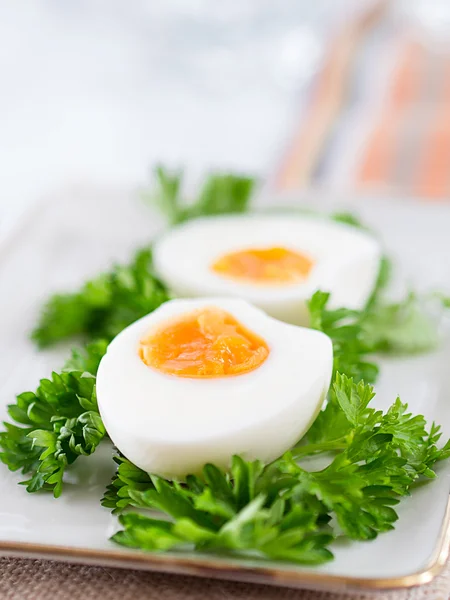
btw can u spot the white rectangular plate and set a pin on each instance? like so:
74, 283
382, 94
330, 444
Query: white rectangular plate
81, 231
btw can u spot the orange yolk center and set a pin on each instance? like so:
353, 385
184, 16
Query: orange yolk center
208, 342
271, 266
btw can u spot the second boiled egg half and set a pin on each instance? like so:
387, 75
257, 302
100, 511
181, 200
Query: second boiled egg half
199, 380
275, 261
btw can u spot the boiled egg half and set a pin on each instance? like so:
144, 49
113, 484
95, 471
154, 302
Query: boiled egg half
198, 381
275, 261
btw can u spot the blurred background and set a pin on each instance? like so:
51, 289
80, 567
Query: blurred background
348, 96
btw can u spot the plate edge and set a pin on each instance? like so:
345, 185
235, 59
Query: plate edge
218, 570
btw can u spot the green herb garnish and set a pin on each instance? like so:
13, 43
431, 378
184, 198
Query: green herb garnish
62, 422
351, 350
283, 510
401, 327
104, 306
252, 508
287, 510
381, 327
221, 193
56, 424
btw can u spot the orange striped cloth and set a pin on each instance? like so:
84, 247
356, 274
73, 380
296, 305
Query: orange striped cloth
377, 117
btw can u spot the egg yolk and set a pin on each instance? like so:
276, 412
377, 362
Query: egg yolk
208, 342
275, 265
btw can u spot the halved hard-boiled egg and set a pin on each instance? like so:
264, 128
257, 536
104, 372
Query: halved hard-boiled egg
275, 261
198, 381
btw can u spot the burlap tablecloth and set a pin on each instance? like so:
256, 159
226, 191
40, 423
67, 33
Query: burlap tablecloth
22, 579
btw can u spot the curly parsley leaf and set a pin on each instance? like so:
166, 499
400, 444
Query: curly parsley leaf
397, 328
128, 478
221, 193
55, 424
349, 493
104, 306
351, 348
378, 458
348, 423
87, 359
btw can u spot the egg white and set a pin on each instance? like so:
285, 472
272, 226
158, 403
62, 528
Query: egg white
172, 426
346, 260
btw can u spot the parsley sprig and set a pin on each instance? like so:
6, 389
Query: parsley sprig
396, 328
55, 424
352, 351
283, 510
105, 305
248, 509
221, 193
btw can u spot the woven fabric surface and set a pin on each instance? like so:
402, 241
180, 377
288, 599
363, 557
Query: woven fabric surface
22, 579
